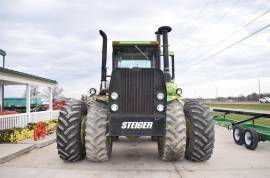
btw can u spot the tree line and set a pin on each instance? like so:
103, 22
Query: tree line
251, 97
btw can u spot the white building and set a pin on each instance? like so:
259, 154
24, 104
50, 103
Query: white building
12, 77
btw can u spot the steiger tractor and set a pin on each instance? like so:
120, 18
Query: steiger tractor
141, 99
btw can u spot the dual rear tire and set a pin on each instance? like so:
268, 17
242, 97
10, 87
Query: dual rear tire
249, 137
189, 132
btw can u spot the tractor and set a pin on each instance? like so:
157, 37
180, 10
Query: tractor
141, 99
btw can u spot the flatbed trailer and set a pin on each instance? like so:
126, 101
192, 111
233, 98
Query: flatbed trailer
246, 131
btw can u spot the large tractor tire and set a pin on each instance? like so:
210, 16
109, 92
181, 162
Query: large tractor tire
98, 145
172, 146
69, 132
200, 131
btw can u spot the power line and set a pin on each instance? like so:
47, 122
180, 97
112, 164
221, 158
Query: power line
195, 20
189, 35
231, 45
225, 14
230, 35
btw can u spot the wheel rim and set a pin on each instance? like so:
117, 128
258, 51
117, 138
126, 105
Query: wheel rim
237, 134
248, 138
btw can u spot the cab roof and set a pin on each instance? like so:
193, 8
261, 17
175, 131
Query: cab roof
115, 43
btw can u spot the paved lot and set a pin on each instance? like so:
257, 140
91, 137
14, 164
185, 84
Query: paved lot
139, 159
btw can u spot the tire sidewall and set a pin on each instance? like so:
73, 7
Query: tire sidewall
241, 132
254, 139
189, 128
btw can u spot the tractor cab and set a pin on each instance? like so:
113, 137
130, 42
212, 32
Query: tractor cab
135, 54
140, 54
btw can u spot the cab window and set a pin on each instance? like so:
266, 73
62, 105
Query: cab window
135, 57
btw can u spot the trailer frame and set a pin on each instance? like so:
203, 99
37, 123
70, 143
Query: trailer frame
262, 131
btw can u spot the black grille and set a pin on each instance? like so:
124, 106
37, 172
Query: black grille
136, 91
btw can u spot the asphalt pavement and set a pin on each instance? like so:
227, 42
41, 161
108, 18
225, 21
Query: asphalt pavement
140, 159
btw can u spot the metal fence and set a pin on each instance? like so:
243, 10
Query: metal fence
21, 120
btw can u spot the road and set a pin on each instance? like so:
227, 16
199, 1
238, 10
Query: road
140, 159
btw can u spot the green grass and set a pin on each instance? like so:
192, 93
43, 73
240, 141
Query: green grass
238, 117
259, 106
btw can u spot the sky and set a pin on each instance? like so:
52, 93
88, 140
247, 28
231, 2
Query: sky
59, 40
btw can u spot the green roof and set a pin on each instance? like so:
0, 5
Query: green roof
25, 75
135, 43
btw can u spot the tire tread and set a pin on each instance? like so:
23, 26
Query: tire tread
200, 131
68, 132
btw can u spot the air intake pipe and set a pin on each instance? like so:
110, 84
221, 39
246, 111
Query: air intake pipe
103, 87
158, 36
164, 30
158, 54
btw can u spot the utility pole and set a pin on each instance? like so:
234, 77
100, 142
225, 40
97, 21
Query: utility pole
216, 93
259, 87
3, 53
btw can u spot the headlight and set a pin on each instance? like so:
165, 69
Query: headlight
114, 107
114, 95
92, 91
179, 91
160, 108
160, 96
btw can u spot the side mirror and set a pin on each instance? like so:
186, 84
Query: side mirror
179, 91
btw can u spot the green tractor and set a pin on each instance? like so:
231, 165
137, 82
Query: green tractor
141, 99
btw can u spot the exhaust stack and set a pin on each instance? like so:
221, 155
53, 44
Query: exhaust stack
164, 30
103, 87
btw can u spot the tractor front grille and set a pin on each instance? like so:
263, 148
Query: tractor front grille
137, 91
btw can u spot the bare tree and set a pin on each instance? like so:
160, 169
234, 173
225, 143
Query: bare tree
56, 93
34, 91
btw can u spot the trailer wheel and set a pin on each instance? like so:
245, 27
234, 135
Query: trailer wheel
69, 132
98, 146
238, 134
251, 138
200, 131
172, 146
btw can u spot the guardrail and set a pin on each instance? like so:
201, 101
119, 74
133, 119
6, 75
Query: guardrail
21, 120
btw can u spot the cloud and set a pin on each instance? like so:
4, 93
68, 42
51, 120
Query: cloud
60, 40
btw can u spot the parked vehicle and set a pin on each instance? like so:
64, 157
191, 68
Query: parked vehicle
18, 104
141, 99
264, 100
245, 132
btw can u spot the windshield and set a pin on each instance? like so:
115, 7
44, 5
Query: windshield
135, 57
134, 63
